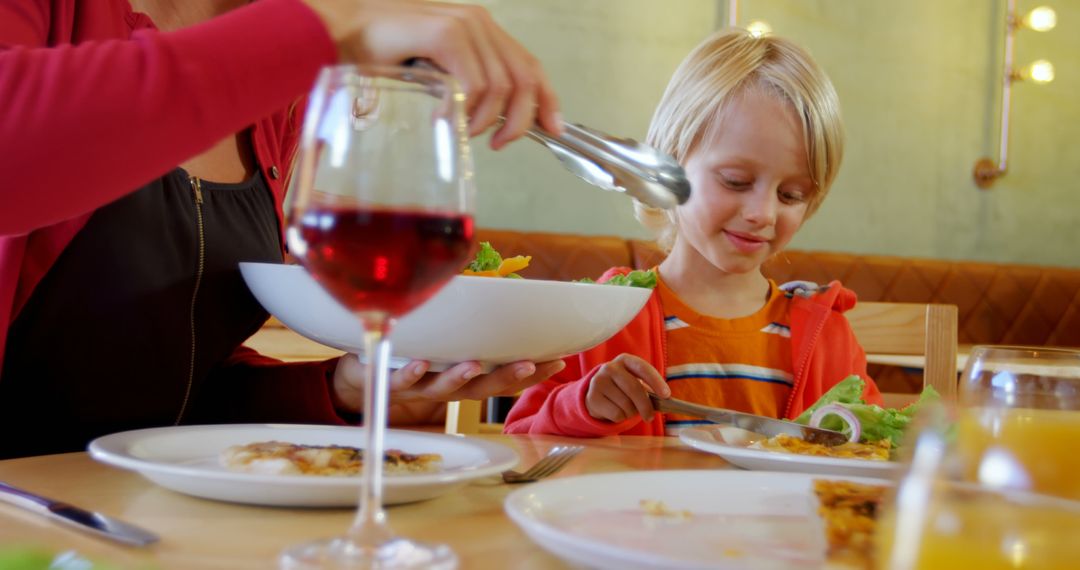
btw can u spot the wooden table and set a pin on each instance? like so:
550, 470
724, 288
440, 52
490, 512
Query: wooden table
198, 533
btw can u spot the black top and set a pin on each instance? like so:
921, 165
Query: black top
136, 312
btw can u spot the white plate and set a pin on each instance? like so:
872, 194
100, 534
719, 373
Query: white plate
734, 450
736, 519
185, 459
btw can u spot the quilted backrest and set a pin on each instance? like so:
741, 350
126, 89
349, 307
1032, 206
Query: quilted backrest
998, 303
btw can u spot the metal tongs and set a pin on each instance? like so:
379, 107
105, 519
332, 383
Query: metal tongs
623, 165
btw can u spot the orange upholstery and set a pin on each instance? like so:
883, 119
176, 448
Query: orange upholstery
998, 303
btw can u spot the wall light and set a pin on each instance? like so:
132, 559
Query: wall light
1040, 19
1040, 71
758, 28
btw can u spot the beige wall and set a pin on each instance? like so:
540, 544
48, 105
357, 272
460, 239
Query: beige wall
609, 61
918, 82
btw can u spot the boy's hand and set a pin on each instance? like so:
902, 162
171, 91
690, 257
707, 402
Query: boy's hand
620, 389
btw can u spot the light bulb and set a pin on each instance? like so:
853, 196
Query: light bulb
1041, 71
1041, 19
758, 28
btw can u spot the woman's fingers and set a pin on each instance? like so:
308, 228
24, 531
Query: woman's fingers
541, 371
408, 375
499, 77
534, 97
441, 386
486, 103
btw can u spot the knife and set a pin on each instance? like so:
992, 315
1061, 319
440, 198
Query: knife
95, 523
758, 424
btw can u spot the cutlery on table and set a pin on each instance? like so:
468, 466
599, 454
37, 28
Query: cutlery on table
90, 521
768, 427
555, 460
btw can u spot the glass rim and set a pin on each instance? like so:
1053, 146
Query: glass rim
421, 75
1064, 350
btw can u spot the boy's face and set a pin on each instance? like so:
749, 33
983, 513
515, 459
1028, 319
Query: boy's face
751, 185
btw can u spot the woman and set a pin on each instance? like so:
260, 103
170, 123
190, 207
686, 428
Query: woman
146, 148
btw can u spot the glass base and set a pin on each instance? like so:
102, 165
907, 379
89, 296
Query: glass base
343, 554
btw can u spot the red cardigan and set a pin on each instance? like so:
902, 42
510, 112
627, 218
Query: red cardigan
824, 352
113, 104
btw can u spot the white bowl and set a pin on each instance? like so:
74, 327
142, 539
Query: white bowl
493, 321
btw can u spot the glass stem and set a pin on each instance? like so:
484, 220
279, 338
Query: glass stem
370, 528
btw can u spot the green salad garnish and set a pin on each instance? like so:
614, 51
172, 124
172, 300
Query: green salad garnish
877, 423
637, 278
487, 259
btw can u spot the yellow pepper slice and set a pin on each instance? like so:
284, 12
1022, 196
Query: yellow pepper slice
513, 264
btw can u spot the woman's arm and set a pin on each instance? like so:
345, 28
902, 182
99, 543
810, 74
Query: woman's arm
83, 125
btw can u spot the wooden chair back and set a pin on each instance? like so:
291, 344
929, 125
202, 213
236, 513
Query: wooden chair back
911, 329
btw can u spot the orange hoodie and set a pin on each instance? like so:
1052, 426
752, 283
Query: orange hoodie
824, 352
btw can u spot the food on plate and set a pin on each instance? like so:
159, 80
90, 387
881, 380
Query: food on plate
653, 507
849, 511
488, 263
843, 409
874, 432
282, 458
875, 451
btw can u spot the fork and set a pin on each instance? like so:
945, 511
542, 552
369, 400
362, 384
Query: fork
555, 460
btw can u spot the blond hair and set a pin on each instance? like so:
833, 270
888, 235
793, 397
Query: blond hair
729, 63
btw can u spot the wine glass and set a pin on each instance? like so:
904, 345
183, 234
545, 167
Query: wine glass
382, 220
993, 482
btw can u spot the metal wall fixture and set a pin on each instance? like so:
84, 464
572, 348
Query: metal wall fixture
1041, 19
757, 28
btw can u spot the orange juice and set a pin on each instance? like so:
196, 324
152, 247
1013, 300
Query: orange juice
989, 534
1022, 448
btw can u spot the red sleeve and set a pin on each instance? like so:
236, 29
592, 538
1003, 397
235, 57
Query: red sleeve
83, 125
250, 387
557, 406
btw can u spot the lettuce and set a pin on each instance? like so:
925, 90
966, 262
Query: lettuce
636, 278
877, 423
487, 259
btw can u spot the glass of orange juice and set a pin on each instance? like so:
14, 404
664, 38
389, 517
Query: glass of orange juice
1019, 420
937, 520
993, 482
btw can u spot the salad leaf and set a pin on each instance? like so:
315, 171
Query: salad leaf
487, 259
847, 391
877, 423
638, 278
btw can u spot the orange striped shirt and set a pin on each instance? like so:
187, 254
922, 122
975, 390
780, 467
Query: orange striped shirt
741, 364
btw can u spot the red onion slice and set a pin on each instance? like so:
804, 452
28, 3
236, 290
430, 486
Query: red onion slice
845, 414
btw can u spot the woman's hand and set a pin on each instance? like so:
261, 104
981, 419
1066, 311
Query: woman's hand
620, 389
463, 381
498, 75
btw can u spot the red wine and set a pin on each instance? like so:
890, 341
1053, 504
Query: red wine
384, 260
